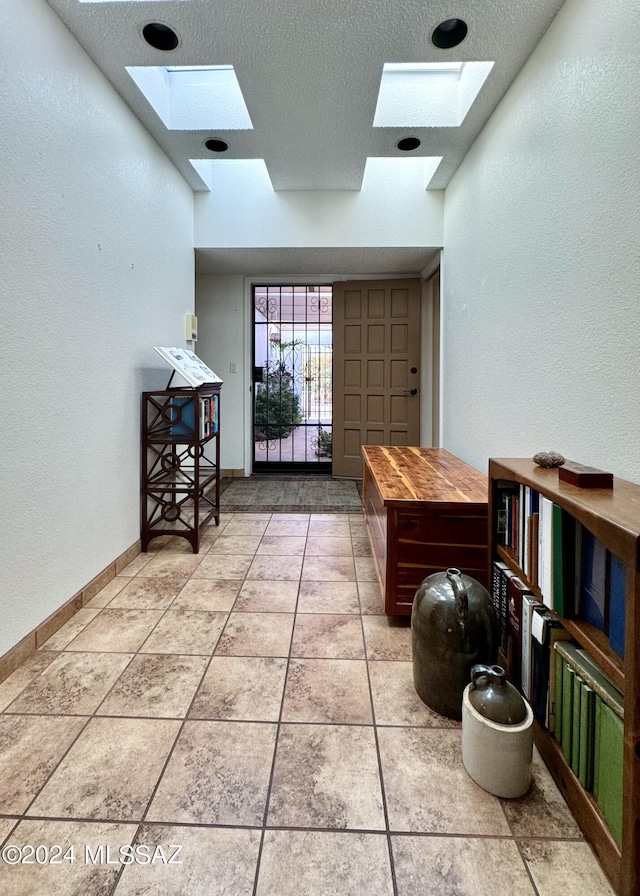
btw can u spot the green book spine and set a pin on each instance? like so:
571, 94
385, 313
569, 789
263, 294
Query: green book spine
610, 770
592, 674
587, 735
597, 748
576, 733
559, 664
568, 676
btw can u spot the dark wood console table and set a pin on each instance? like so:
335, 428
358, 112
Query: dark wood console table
425, 510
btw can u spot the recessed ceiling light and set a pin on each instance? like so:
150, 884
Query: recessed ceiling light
160, 36
216, 145
408, 143
449, 34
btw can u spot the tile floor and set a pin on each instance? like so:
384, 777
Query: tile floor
252, 705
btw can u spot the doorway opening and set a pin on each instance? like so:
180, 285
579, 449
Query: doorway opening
292, 379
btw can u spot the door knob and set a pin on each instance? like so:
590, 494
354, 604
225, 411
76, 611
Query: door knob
411, 391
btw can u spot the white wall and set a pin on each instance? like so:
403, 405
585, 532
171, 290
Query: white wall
392, 209
541, 274
96, 268
221, 342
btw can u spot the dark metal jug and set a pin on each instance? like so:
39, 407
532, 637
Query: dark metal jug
453, 627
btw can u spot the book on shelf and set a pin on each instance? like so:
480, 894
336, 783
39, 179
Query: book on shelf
529, 603
617, 604
608, 767
593, 577
563, 561
501, 574
183, 421
586, 747
545, 550
589, 671
546, 631
190, 367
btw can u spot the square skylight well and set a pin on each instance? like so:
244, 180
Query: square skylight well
428, 94
194, 98
415, 172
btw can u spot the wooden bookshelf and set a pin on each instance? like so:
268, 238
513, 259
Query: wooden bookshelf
180, 463
613, 517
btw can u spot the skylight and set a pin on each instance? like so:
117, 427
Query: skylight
416, 172
428, 94
194, 98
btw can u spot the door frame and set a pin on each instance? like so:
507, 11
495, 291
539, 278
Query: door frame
430, 350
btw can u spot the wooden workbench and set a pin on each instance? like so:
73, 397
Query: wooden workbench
425, 510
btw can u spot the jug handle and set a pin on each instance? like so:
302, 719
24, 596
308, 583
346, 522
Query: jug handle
459, 592
493, 673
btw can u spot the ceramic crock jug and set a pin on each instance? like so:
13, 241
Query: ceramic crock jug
494, 697
497, 733
453, 627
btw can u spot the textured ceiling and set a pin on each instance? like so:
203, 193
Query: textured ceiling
320, 261
310, 73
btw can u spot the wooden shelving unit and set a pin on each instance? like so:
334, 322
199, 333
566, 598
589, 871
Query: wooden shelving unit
613, 516
180, 463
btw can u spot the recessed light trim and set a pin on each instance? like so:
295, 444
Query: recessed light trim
160, 36
215, 144
449, 34
408, 144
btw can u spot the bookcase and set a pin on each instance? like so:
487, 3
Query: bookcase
180, 463
612, 516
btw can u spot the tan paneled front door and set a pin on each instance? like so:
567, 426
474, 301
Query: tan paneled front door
376, 377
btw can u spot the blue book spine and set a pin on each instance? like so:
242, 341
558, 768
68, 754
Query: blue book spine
593, 585
617, 605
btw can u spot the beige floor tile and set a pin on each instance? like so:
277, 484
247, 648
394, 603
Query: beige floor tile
215, 595
329, 525
138, 563
174, 565
223, 566
282, 546
116, 630
218, 774
297, 863
89, 874
213, 862
159, 686
334, 691
429, 791
186, 632
328, 569
60, 639
326, 776
395, 700
387, 638
332, 636
12, 686
262, 596
256, 634
74, 684
299, 525
371, 602
447, 866
565, 869
361, 545
148, 594
276, 569
6, 826
246, 688
542, 812
246, 524
328, 546
110, 772
109, 591
235, 544
328, 597
365, 569
30, 749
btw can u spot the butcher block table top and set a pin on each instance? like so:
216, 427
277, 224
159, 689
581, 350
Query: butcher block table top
408, 476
